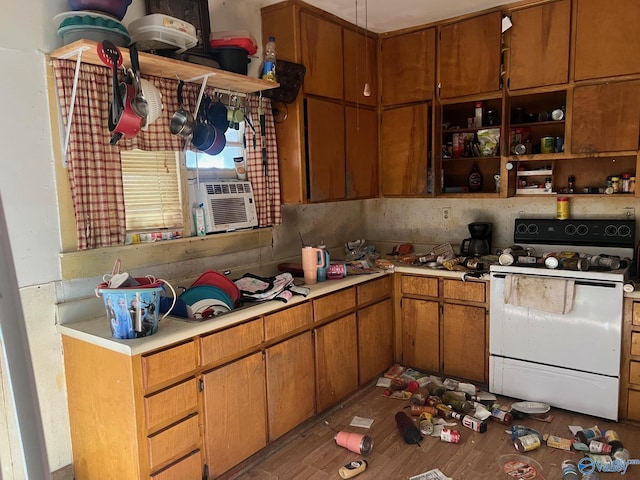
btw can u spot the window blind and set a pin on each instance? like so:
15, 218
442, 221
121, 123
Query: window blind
151, 190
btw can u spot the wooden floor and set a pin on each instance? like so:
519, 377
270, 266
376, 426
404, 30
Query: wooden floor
314, 455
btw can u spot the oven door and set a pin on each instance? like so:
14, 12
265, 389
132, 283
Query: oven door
587, 339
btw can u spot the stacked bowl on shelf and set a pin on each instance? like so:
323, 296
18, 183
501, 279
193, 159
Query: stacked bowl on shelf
94, 20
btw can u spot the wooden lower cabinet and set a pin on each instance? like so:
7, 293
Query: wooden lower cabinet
290, 384
629, 404
464, 344
421, 334
209, 402
235, 416
375, 340
336, 361
445, 326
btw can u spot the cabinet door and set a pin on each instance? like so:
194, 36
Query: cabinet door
375, 340
404, 150
360, 67
464, 345
326, 155
322, 55
606, 117
408, 67
539, 47
607, 38
470, 56
290, 384
336, 361
235, 412
421, 334
362, 152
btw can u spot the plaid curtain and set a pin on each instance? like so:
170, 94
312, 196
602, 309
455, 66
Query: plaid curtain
262, 162
94, 167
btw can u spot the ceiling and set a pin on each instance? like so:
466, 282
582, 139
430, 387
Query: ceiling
385, 16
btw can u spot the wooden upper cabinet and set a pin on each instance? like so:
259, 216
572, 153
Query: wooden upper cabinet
322, 55
281, 22
470, 56
326, 150
607, 38
362, 152
539, 45
606, 117
404, 150
408, 67
360, 66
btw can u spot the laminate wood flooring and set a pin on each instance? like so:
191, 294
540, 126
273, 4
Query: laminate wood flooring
310, 452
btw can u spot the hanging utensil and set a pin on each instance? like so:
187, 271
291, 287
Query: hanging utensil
111, 57
138, 103
263, 135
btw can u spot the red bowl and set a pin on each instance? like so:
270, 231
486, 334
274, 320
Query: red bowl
115, 8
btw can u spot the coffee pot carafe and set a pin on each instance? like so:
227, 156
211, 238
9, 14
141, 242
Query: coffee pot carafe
479, 243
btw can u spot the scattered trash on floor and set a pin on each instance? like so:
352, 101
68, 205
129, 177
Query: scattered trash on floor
434, 404
361, 422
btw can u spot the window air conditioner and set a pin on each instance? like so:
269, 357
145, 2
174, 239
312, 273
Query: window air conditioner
228, 206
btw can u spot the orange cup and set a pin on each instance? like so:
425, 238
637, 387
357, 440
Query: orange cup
355, 442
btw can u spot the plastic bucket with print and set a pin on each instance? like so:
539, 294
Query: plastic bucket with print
133, 312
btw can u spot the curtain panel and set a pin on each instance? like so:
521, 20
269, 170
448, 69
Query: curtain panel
94, 167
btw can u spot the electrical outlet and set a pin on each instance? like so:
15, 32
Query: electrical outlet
446, 213
629, 212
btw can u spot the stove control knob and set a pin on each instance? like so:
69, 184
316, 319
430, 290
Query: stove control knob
582, 229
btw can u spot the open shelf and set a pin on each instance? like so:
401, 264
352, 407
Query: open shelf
168, 68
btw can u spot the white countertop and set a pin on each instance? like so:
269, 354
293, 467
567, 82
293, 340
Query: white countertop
171, 329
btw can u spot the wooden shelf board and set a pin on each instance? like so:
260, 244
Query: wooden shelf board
570, 156
168, 68
533, 173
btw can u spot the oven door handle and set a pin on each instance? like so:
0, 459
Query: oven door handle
577, 282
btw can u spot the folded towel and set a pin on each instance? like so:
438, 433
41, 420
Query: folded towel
553, 295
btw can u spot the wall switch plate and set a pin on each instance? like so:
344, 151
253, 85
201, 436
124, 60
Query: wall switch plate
629, 212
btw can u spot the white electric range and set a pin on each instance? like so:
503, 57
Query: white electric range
555, 334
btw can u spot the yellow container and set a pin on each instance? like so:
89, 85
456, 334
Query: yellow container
547, 145
562, 208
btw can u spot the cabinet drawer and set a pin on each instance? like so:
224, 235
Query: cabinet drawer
173, 441
459, 290
333, 304
189, 467
170, 404
287, 320
633, 405
420, 285
634, 372
373, 290
232, 341
635, 343
636, 313
161, 367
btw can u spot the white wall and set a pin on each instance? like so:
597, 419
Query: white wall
28, 191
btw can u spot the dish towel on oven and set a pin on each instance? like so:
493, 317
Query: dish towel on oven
553, 295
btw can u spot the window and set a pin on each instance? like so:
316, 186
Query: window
152, 193
224, 160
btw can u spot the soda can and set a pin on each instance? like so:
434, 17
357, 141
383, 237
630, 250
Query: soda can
622, 454
613, 439
599, 447
587, 434
450, 436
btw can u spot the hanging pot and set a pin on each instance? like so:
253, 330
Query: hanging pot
182, 122
129, 123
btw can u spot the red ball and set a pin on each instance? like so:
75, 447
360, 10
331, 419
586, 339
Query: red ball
413, 386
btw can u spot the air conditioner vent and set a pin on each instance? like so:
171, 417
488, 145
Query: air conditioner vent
228, 206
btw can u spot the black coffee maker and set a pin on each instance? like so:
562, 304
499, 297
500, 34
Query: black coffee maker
480, 242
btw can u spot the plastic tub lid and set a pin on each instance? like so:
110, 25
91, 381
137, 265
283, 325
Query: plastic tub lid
234, 38
161, 20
